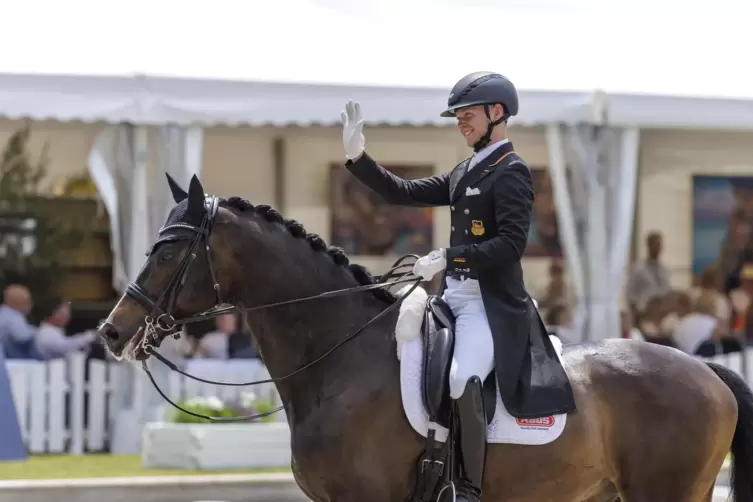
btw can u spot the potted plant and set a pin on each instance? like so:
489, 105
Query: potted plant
187, 442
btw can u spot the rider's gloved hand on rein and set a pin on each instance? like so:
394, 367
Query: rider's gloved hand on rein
353, 138
428, 266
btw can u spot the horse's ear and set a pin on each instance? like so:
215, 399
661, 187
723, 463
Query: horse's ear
178, 193
195, 207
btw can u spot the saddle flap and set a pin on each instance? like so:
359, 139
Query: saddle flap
442, 313
438, 334
436, 386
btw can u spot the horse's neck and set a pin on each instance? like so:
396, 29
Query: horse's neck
293, 337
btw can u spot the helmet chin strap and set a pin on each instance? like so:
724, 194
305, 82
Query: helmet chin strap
483, 142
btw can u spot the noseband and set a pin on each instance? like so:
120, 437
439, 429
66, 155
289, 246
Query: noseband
160, 322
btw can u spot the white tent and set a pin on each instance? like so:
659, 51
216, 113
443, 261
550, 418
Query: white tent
593, 141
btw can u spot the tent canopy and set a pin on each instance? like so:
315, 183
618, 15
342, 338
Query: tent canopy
152, 100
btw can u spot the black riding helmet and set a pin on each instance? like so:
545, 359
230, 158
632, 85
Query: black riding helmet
483, 88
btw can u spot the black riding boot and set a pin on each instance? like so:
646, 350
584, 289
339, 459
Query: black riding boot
472, 441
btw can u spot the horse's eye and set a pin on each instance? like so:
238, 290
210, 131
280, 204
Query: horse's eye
166, 257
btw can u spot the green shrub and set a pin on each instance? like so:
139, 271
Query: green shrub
212, 406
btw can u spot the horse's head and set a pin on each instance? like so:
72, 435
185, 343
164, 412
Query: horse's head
211, 252
189, 269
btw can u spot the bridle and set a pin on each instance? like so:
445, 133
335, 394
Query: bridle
160, 322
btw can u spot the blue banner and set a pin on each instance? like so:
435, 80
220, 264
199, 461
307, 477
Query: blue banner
11, 446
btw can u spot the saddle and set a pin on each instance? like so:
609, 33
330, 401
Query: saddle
438, 337
436, 468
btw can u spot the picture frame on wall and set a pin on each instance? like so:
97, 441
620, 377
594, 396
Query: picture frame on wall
363, 224
722, 223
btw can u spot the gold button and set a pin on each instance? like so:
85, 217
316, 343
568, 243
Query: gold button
453, 228
467, 211
452, 208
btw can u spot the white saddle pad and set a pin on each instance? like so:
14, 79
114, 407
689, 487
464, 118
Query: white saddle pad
504, 428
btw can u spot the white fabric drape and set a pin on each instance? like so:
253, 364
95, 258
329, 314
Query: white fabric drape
111, 162
595, 200
137, 203
179, 151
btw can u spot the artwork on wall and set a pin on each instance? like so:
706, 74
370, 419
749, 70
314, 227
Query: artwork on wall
362, 223
722, 221
544, 235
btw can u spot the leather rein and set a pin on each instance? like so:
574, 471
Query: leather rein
159, 323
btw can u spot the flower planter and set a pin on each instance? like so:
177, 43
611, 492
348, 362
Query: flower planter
215, 446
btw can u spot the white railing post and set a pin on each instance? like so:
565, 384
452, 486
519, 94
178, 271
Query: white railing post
77, 378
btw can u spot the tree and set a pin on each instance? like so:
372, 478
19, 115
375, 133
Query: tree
33, 240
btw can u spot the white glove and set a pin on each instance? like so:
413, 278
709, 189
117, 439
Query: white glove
428, 266
353, 138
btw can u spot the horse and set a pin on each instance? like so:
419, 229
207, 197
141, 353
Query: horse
652, 423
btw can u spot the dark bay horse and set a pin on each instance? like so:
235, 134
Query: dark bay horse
653, 424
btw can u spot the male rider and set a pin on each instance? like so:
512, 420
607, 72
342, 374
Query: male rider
490, 196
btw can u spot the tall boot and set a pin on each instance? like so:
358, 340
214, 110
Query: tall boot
472, 441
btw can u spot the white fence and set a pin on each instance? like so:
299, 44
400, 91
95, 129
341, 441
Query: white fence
61, 410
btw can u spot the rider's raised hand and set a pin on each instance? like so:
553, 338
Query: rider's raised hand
353, 138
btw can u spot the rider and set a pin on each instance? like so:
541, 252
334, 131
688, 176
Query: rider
490, 196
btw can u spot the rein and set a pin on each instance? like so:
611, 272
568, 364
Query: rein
160, 320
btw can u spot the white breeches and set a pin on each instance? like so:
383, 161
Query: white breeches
474, 345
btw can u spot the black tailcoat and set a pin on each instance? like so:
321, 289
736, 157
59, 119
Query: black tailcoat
491, 213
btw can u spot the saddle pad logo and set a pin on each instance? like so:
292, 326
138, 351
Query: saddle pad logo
477, 227
536, 422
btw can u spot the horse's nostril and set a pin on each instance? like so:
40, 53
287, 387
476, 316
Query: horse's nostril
109, 331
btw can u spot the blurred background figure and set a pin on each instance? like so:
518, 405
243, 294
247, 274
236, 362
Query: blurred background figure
51, 339
16, 333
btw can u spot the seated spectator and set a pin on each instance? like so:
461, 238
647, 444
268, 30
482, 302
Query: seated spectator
671, 314
51, 339
711, 283
214, 345
654, 325
241, 343
16, 334
740, 298
178, 350
697, 326
627, 329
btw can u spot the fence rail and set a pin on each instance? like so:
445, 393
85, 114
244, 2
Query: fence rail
69, 406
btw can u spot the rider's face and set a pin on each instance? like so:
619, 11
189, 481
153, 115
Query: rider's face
472, 121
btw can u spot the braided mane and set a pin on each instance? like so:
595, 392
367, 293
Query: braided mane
297, 230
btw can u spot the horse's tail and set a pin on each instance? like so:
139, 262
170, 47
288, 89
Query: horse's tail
741, 478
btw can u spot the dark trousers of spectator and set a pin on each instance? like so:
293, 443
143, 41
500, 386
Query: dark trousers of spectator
711, 348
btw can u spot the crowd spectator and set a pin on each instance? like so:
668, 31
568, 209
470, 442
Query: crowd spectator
740, 298
711, 290
649, 278
16, 334
178, 350
627, 329
51, 339
241, 343
697, 323
214, 345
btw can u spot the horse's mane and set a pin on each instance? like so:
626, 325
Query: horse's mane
296, 229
